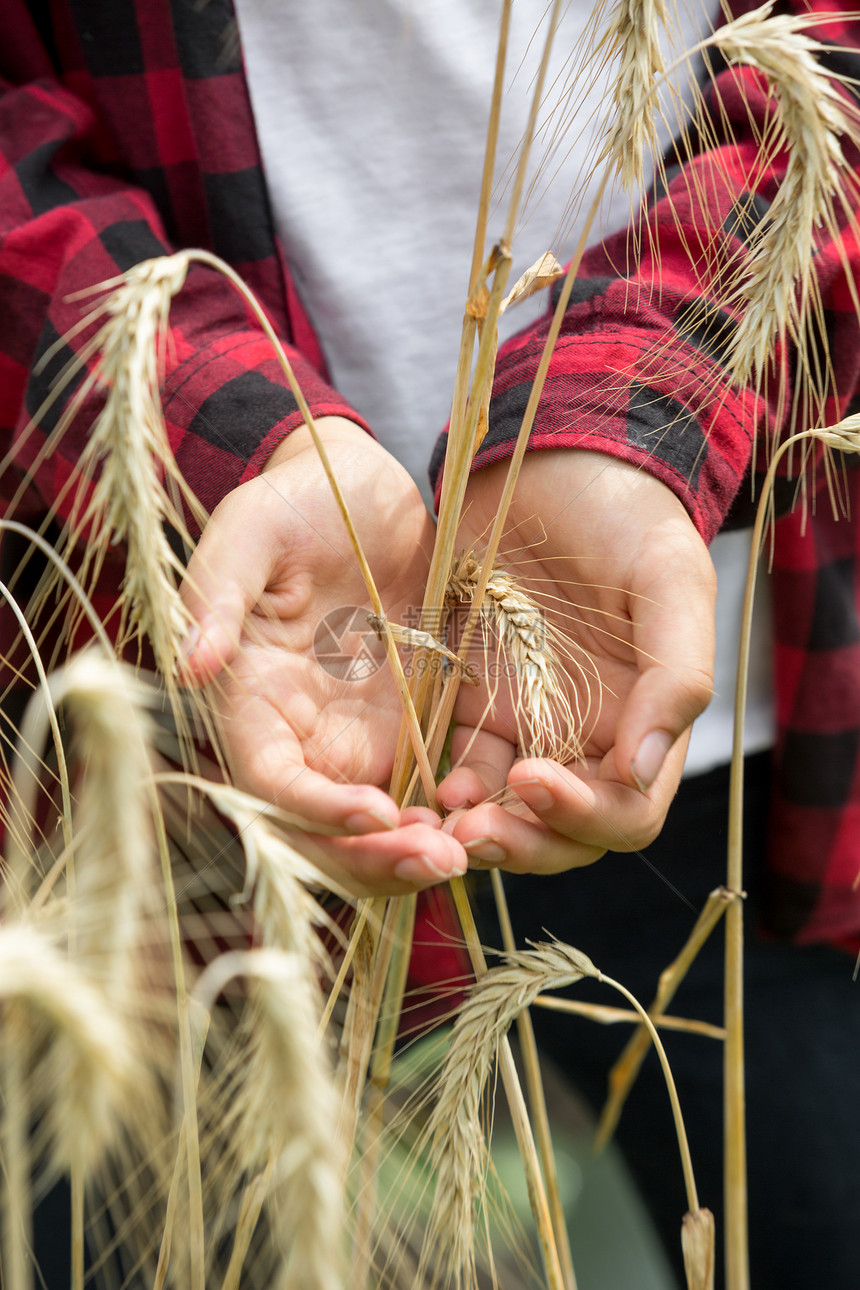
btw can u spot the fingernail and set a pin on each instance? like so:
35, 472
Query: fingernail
484, 849
535, 794
189, 642
367, 822
420, 868
650, 757
457, 802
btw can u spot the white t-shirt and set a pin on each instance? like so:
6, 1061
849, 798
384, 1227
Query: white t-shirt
372, 117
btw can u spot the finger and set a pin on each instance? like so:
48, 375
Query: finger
225, 578
673, 631
485, 759
409, 858
598, 809
494, 838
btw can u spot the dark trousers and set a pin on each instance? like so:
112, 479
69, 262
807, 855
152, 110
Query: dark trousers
802, 1031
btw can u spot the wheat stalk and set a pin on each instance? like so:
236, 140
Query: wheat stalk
844, 436
626, 1068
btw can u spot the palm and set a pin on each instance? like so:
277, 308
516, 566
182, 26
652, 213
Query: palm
310, 686
306, 702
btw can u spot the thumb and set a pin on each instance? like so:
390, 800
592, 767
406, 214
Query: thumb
225, 578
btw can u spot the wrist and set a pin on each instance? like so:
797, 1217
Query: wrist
301, 440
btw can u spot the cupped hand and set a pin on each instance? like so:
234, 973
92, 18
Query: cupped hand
306, 704
617, 565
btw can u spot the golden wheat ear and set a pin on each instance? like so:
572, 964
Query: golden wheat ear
457, 1145
815, 114
547, 725
275, 1117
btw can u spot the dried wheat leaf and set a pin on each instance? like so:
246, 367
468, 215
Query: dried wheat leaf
543, 273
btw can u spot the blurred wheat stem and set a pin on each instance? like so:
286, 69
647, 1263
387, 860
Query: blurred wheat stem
199, 1028
536, 1098
843, 437
362, 915
371, 965
626, 1068
17, 1205
401, 909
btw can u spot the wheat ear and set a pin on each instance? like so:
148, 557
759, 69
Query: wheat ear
88, 1075
633, 36
283, 1112
546, 723
128, 449
457, 1147
813, 114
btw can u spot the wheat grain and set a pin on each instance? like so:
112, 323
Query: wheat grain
546, 723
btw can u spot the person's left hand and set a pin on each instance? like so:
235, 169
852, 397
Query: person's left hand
618, 565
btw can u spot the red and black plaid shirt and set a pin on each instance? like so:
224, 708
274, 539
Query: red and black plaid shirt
126, 131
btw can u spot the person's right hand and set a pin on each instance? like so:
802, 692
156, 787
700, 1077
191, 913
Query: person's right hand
273, 586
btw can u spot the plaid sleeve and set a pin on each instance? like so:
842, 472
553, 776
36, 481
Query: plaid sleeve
640, 368
66, 225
